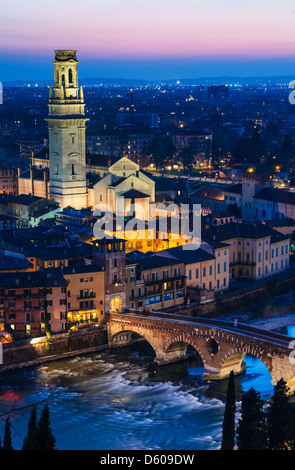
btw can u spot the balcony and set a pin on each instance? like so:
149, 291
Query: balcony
86, 297
241, 263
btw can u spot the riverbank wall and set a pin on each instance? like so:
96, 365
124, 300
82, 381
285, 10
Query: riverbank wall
233, 301
35, 351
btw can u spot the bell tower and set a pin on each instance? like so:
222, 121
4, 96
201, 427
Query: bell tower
66, 128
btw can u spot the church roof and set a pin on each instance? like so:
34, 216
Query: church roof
134, 194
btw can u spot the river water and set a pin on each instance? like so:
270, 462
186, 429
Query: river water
118, 400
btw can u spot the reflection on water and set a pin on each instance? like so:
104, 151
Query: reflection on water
120, 400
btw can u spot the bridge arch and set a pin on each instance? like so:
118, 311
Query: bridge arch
175, 348
233, 359
125, 337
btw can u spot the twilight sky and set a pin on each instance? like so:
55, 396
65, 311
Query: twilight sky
153, 39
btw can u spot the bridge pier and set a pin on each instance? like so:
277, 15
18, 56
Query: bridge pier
233, 363
176, 352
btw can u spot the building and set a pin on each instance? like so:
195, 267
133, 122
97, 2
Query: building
45, 247
123, 179
154, 283
110, 254
133, 143
274, 204
253, 182
66, 125
27, 209
256, 251
210, 198
201, 143
86, 293
205, 268
233, 196
220, 218
34, 181
8, 181
28, 300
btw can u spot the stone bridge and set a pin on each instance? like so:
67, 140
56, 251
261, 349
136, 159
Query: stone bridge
221, 345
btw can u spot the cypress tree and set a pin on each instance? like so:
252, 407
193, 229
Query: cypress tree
228, 426
30, 441
279, 419
7, 443
251, 430
45, 438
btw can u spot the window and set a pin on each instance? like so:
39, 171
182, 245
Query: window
210, 270
197, 273
224, 267
189, 274
169, 296
204, 271
218, 268
62, 302
179, 293
259, 257
248, 257
266, 254
153, 300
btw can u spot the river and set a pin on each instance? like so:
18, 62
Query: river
118, 400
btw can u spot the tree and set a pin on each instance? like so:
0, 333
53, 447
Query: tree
45, 438
161, 149
251, 430
30, 441
228, 426
279, 419
7, 443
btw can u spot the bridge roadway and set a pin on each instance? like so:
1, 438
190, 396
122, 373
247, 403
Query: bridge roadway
170, 334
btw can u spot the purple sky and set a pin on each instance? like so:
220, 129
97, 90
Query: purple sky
149, 38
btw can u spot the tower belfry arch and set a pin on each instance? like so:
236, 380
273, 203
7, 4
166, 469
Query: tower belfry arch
66, 132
